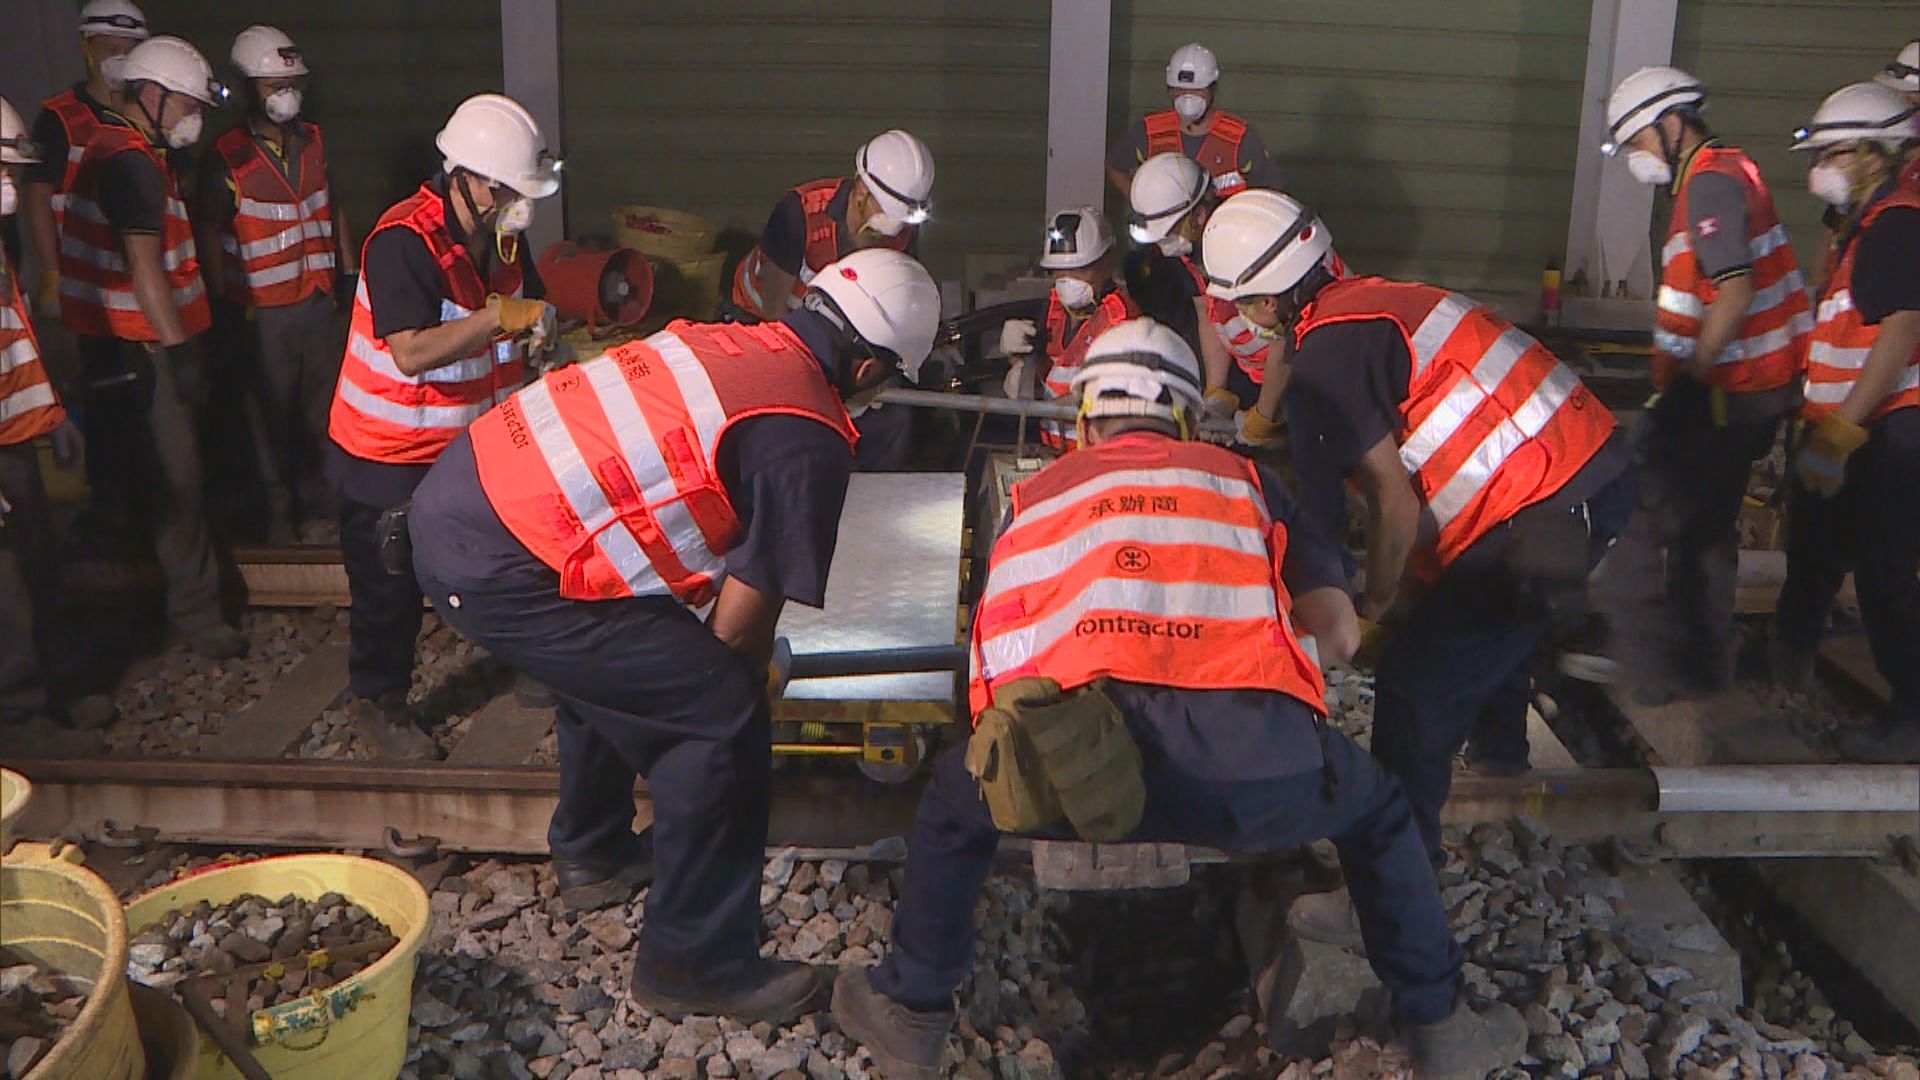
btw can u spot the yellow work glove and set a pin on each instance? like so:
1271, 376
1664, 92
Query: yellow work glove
1374, 638
1222, 402
517, 316
1822, 466
779, 669
1254, 429
48, 294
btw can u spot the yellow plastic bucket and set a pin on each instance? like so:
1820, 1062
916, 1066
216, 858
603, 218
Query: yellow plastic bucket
688, 287
357, 1027
14, 793
660, 233
168, 1034
64, 918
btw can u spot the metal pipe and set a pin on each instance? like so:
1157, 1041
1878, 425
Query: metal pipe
1721, 789
1043, 410
900, 661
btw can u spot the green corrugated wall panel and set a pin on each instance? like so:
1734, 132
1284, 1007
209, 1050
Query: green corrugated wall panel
719, 107
1437, 138
1768, 65
385, 77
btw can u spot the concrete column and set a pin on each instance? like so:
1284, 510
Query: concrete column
1609, 234
1077, 103
530, 55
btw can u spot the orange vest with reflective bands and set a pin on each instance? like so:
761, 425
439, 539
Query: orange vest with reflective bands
823, 247
96, 286
1219, 151
279, 245
1242, 339
383, 414
1145, 559
1065, 352
1492, 423
1770, 346
608, 470
78, 121
1841, 341
28, 406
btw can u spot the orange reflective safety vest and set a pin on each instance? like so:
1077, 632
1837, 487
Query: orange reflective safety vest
1841, 341
383, 414
1243, 340
1771, 344
279, 245
1067, 349
1219, 151
823, 246
1146, 559
608, 470
96, 286
1492, 422
79, 122
28, 406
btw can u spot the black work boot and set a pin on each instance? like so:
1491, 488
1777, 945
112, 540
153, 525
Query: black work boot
586, 885
905, 1044
1467, 1045
778, 991
391, 728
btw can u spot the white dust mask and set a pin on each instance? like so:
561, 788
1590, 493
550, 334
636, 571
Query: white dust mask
1191, 107
1831, 185
1649, 167
282, 105
186, 132
1074, 294
1175, 246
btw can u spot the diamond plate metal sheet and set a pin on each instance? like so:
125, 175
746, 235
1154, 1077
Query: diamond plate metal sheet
895, 583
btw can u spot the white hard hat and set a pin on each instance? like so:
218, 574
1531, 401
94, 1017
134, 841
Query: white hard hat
1644, 97
1165, 189
175, 65
113, 18
1861, 112
1076, 237
266, 52
887, 298
898, 171
16, 148
1192, 68
1904, 73
1138, 368
1261, 243
495, 137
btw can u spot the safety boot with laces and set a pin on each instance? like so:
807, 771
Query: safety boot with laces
905, 1044
777, 991
1467, 1045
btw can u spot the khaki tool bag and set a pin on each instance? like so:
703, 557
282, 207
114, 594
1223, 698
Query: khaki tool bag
1040, 756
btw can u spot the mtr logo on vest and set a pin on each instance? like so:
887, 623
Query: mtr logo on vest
1136, 626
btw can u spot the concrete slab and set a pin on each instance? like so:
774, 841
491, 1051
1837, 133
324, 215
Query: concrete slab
1660, 916
1074, 866
267, 727
503, 732
1868, 912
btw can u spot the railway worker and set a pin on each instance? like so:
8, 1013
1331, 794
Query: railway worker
131, 290
447, 306
572, 532
1226, 146
274, 247
1086, 300
1856, 502
1903, 74
109, 29
1143, 607
29, 409
882, 205
1490, 473
1730, 340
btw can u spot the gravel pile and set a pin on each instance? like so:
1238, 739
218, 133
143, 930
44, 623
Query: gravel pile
280, 935
36, 1006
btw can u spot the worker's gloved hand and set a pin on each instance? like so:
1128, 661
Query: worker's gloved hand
1016, 337
47, 295
519, 316
1015, 384
1222, 402
1254, 429
1822, 466
779, 669
68, 444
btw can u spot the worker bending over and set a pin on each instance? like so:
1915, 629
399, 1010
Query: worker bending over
1138, 675
1085, 302
275, 248
1226, 146
1856, 499
573, 531
447, 306
1489, 471
1729, 342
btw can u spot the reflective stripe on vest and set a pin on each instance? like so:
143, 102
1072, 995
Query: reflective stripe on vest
78, 123
1493, 422
382, 414
279, 242
29, 408
823, 244
1841, 341
626, 497
1218, 152
1152, 560
1770, 347
1065, 353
